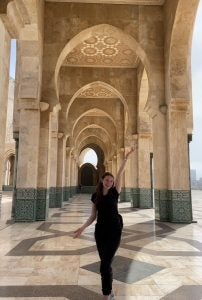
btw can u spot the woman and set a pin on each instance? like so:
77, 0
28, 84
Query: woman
109, 224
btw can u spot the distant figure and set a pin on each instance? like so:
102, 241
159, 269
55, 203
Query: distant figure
109, 224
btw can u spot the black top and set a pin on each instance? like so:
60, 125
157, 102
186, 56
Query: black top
107, 208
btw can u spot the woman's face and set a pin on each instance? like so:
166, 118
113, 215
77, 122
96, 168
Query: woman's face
108, 182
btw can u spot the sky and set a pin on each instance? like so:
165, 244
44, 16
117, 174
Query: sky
196, 144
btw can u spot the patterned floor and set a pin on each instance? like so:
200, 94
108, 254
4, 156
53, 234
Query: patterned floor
155, 261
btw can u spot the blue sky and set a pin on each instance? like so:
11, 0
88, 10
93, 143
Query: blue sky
196, 144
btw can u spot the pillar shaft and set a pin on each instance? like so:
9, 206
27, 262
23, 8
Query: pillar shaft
27, 168
144, 178
179, 190
4, 82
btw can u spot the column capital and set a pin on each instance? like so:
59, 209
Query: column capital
29, 104
60, 135
180, 105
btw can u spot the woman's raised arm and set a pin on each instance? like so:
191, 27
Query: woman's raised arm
118, 179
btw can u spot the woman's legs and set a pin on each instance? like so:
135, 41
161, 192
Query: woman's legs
107, 248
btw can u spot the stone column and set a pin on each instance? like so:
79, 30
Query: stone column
159, 129
60, 167
72, 175
4, 82
130, 189
67, 174
179, 190
114, 165
144, 178
42, 200
52, 160
27, 168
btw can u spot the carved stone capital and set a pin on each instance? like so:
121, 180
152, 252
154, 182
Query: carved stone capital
180, 105
43, 106
30, 104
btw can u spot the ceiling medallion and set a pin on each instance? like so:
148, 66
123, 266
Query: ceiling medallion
103, 45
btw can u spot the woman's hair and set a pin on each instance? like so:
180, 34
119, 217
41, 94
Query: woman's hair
99, 188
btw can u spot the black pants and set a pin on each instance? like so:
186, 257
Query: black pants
107, 242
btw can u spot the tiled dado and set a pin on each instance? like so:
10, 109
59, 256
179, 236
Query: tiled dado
31, 205
139, 198
173, 206
54, 195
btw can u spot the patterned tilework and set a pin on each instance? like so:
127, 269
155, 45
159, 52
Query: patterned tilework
145, 196
54, 197
66, 193
127, 270
185, 292
42, 205
161, 198
181, 207
73, 190
87, 189
130, 195
25, 206
70, 292
173, 206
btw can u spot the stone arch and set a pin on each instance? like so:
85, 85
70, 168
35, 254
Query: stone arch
91, 111
92, 126
180, 52
95, 141
99, 137
102, 84
87, 175
118, 33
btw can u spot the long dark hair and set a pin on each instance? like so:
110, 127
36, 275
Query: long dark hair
99, 188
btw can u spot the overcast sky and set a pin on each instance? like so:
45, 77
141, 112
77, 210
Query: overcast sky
196, 144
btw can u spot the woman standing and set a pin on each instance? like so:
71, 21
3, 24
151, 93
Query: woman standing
109, 224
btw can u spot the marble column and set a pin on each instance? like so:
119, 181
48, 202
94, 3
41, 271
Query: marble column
72, 175
60, 167
67, 174
4, 82
159, 129
42, 200
179, 189
27, 168
114, 165
52, 161
144, 178
130, 189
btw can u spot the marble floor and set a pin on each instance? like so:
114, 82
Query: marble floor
155, 260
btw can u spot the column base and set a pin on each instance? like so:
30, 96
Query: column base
30, 205
173, 206
54, 197
66, 193
139, 197
25, 205
87, 189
